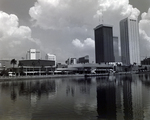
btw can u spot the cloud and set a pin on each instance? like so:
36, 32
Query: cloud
56, 14
144, 26
51, 14
14, 38
121, 7
87, 44
69, 19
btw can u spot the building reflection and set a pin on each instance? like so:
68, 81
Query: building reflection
127, 98
38, 88
31, 89
13, 93
145, 78
70, 90
106, 100
120, 99
82, 85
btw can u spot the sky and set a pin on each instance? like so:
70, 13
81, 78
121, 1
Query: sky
65, 27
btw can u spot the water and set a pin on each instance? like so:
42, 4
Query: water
101, 98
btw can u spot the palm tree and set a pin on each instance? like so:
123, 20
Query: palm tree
13, 62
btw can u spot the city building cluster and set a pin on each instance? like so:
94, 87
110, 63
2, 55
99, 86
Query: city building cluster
107, 48
106, 54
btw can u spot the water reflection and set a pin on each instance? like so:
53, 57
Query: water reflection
120, 99
70, 90
127, 98
28, 88
98, 98
106, 100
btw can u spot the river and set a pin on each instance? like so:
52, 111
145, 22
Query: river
97, 98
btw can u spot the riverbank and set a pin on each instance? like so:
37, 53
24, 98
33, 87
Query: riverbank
6, 78
2, 79
132, 72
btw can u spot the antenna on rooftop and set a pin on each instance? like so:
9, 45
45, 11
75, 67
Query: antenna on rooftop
102, 18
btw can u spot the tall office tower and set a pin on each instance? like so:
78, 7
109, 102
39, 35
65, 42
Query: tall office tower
50, 57
104, 51
116, 49
33, 54
129, 34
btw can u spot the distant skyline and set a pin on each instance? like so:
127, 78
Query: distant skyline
65, 27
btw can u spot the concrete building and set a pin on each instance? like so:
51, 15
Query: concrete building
33, 54
129, 34
50, 57
104, 51
83, 60
71, 61
145, 61
116, 49
36, 67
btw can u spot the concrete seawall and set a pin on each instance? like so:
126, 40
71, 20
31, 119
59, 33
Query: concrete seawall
2, 79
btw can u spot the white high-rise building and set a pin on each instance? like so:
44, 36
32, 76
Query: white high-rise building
50, 57
129, 36
33, 54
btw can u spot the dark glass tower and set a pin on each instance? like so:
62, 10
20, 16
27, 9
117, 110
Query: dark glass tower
104, 51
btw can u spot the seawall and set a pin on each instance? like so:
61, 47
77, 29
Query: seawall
3, 79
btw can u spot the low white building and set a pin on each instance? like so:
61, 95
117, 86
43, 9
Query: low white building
51, 57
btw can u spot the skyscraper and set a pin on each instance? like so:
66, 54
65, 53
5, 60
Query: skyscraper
104, 44
129, 34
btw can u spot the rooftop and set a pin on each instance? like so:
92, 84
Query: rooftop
102, 25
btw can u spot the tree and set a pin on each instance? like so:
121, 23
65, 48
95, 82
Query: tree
13, 62
134, 63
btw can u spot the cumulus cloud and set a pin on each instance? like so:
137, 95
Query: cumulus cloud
121, 7
13, 37
88, 43
76, 19
56, 14
144, 25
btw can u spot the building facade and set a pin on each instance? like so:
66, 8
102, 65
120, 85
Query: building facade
145, 61
71, 61
51, 57
36, 67
104, 51
129, 34
33, 54
116, 49
83, 60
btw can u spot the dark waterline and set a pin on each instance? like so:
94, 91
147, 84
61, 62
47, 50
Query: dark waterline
101, 98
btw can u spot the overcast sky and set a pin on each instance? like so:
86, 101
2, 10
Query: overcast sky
65, 27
